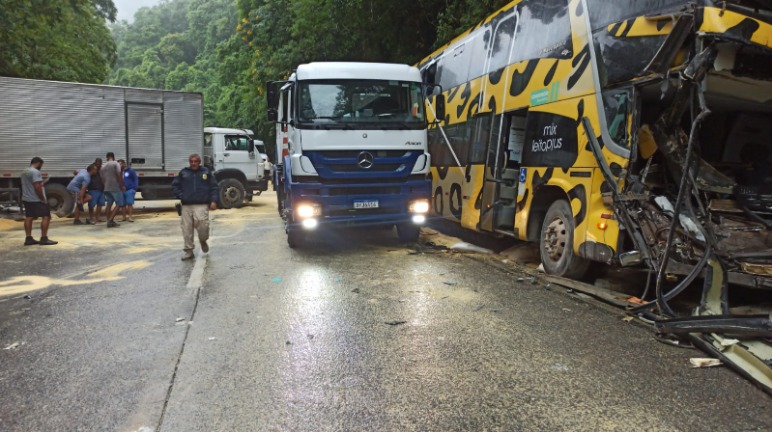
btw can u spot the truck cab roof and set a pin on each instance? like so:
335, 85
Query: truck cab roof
227, 130
353, 70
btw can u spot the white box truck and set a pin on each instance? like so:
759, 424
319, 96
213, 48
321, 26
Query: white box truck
71, 124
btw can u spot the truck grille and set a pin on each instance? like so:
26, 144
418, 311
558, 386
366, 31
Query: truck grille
381, 164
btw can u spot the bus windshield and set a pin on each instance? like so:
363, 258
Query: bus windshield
360, 104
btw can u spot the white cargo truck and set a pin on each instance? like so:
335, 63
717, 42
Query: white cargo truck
71, 124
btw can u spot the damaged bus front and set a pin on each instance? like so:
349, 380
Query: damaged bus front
698, 98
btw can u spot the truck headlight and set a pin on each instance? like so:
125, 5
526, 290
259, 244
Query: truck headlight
419, 206
308, 210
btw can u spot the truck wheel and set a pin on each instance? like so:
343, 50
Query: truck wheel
408, 232
556, 244
295, 238
59, 200
231, 193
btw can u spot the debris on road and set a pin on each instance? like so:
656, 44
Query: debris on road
450, 283
12, 346
627, 319
698, 362
465, 247
395, 322
355, 290
179, 319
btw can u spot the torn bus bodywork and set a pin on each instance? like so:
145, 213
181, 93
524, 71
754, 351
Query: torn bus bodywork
701, 146
696, 197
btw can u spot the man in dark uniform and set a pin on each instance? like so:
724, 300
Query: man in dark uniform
196, 188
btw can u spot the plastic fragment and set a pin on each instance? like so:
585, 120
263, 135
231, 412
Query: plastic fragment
698, 362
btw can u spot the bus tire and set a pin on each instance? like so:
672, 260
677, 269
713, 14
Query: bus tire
59, 200
556, 243
231, 193
408, 232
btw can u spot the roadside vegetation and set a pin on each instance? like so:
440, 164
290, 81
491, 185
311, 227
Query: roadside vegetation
225, 49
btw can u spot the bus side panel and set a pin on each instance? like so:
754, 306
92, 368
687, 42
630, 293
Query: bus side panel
472, 196
447, 199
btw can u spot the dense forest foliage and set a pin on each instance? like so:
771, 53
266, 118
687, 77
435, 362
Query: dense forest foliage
225, 49
65, 40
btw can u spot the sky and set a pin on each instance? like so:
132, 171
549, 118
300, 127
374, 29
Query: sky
126, 8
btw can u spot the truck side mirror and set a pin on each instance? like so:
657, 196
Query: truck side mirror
272, 114
272, 95
439, 109
251, 145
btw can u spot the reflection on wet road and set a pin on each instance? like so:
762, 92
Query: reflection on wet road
354, 332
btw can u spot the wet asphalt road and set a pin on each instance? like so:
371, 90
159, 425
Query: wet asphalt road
353, 333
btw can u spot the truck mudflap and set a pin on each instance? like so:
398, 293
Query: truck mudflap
256, 187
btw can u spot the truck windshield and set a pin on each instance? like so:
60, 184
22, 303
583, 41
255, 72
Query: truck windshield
360, 104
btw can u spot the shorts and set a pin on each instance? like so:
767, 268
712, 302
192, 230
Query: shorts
97, 198
128, 196
36, 209
114, 197
76, 197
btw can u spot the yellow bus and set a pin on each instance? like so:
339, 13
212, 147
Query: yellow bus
612, 131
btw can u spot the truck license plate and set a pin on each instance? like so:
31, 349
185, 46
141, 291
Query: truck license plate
368, 204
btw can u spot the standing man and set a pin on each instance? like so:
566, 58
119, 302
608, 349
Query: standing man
77, 188
35, 203
113, 182
97, 191
196, 188
131, 183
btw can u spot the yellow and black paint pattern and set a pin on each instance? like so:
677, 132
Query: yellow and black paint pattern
640, 27
736, 26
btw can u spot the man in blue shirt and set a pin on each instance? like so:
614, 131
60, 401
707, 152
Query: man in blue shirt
77, 188
131, 181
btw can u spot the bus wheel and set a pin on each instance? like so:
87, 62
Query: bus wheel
557, 243
408, 232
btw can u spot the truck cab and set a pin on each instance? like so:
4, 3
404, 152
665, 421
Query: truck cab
351, 148
240, 169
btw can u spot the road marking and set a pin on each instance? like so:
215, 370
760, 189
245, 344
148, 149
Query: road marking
24, 284
197, 275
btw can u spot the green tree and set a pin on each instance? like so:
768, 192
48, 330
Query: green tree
66, 40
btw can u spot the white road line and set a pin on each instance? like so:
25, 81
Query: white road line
197, 275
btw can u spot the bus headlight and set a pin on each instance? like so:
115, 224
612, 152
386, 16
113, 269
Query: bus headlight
419, 206
308, 210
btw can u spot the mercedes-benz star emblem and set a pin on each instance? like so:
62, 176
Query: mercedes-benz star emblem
365, 160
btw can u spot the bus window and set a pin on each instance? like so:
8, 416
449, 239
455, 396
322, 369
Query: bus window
502, 43
617, 106
544, 31
479, 145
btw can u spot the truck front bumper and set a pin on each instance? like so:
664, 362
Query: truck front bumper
258, 186
358, 204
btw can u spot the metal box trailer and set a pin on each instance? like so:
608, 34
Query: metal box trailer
71, 124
